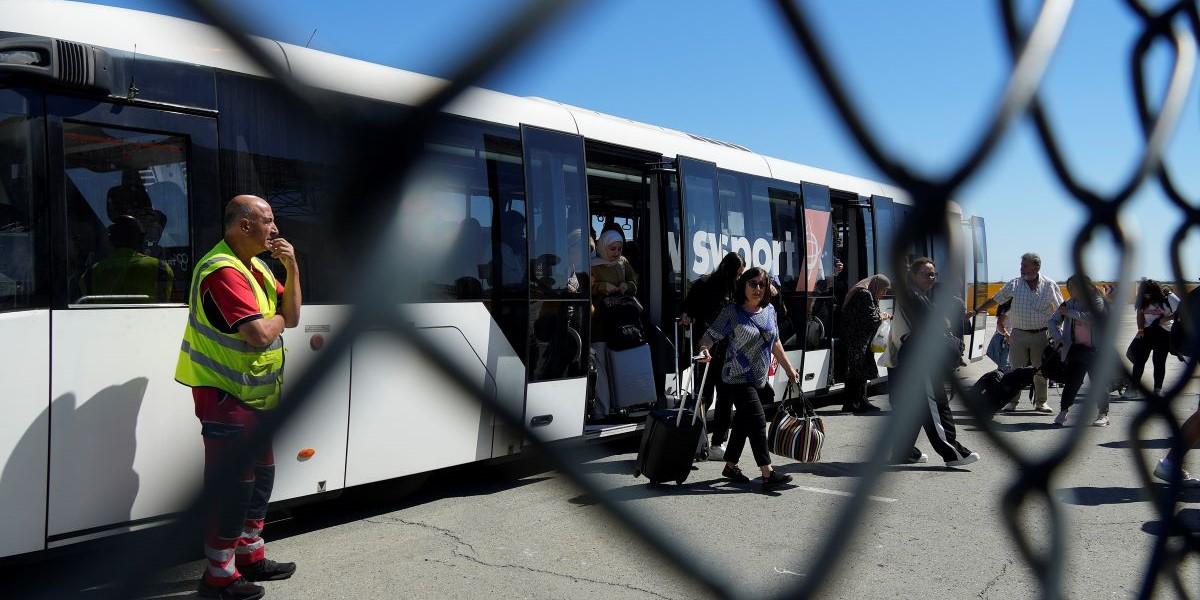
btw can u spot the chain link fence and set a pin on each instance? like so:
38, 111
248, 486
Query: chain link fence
384, 154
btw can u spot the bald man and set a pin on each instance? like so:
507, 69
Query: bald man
232, 358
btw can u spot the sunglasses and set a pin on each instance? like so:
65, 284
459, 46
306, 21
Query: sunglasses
757, 284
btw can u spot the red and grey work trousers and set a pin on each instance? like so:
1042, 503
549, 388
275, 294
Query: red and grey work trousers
233, 536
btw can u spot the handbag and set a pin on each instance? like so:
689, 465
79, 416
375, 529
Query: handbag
1053, 367
997, 351
796, 432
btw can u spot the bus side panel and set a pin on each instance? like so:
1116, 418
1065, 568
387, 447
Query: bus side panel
562, 401
321, 425
124, 440
407, 417
815, 375
24, 430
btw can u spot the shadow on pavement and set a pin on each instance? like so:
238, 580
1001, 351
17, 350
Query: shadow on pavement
1189, 517
1100, 496
1160, 444
610, 467
822, 469
644, 489
970, 425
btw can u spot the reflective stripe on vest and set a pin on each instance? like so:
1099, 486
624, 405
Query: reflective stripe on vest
209, 357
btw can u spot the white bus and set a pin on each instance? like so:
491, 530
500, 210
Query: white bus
97, 438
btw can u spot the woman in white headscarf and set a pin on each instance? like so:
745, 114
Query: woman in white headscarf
611, 272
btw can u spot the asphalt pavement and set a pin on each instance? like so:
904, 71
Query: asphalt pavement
519, 530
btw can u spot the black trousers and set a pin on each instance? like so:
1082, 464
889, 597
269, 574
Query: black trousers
939, 423
723, 412
750, 421
1158, 345
1079, 363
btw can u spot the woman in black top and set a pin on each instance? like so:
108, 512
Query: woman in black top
704, 301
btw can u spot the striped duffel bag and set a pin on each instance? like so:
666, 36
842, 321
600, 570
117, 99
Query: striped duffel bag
796, 431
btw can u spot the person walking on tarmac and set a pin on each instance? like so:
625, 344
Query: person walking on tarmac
232, 358
1035, 298
705, 299
749, 324
915, 307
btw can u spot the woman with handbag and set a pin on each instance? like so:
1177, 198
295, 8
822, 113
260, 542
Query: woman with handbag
1155, 315
916, 305
750, 326
862, 318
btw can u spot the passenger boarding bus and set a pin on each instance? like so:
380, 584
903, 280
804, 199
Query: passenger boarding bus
97, 437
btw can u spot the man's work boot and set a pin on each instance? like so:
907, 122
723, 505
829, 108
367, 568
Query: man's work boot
267, 570
240, 589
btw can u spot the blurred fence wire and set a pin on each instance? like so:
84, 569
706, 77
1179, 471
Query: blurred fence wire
384, 154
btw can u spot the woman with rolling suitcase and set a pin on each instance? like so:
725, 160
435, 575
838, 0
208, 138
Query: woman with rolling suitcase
752, 331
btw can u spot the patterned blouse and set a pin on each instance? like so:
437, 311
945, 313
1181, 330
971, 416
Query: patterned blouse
751, 338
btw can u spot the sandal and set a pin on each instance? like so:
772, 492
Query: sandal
776, 479
734, 474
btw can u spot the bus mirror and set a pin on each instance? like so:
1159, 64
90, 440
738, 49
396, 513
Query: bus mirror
68, 64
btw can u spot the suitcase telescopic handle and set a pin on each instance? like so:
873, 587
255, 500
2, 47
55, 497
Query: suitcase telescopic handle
678, 378
675, 351
700, 401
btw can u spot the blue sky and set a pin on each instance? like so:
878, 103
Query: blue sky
927, 75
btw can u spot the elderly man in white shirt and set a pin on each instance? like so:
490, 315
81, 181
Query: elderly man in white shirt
1035, 298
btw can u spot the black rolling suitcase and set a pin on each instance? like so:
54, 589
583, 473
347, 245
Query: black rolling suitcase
670, 442
669, 445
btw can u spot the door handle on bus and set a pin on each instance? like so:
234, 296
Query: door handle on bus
541, 420
809, 376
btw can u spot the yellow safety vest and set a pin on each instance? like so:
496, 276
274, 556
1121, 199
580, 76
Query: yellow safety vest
210, 358
129, 273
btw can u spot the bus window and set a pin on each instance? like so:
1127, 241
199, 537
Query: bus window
669, 191
819, 267
558, 244
617, 191
450, 217
127, 215
776, 231
18, 283
735, 216
818, 240
559, 262
701, 248
917, 247
979, 277
884, 228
